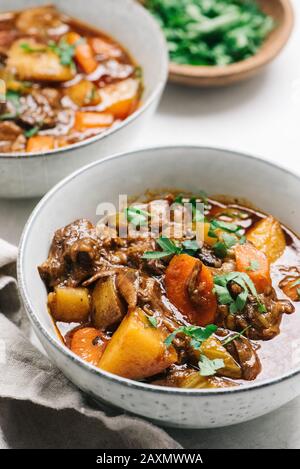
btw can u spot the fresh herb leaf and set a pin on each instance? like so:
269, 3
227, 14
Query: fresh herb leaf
178, 199
31, 132
236, 304
222, 225
65, 51
220, 249
32, 50
168, 247
137, 216
14, 98
197, 334
153, 321
211, 32
190, 246
210, 367
155, 255
233, 337
261, 308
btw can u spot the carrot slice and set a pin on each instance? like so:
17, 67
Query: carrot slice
255, 263
178, 274
40, 143
88, 344
83, 52
92, 120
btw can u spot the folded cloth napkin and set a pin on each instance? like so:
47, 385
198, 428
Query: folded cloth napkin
39, 407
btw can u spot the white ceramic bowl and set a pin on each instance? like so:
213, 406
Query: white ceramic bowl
28, 175
188, 168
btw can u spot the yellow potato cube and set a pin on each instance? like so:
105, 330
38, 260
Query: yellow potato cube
69, 304
137, 349
267, 236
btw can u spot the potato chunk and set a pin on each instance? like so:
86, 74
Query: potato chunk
69, 304
213, 349
267, 236
121, 99
42, 65
106, 304
84, 93
137, 349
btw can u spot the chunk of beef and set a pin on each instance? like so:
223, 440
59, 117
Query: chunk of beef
207, 256
245, 354
262, 325
40, 108
74, 255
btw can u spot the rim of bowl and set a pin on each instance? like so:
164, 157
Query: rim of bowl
259, 59
144, 105
60, 347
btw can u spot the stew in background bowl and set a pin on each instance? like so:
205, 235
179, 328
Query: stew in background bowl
66, 81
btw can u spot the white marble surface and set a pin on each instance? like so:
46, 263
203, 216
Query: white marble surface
262, 117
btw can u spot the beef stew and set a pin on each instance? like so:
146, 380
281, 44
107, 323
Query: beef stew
189, 305
66, 81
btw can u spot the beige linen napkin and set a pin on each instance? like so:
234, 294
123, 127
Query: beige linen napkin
39, 407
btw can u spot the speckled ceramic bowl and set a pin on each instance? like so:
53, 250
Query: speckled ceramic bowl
269, 187
30, 175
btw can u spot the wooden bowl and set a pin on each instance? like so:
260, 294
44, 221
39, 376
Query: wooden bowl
192, 75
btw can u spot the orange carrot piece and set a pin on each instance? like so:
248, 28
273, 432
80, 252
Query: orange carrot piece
83, 52
88, 344
254, 263
40, 143
177, 277
92, 120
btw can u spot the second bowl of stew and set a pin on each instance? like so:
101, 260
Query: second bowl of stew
79, 84
180, 301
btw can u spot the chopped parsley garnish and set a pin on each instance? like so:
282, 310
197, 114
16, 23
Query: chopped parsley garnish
196, 333
65, 51
198, 215
169, 248
221, 247
209, 367
233, 337
32, 50
152, 321
238, 303
137, 216
224, 226
31, 132
62, 49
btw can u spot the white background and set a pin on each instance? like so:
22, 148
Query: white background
262, 117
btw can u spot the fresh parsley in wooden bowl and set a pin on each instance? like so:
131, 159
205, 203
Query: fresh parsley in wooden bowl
219, 42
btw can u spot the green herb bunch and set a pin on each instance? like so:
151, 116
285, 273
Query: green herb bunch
211, 32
